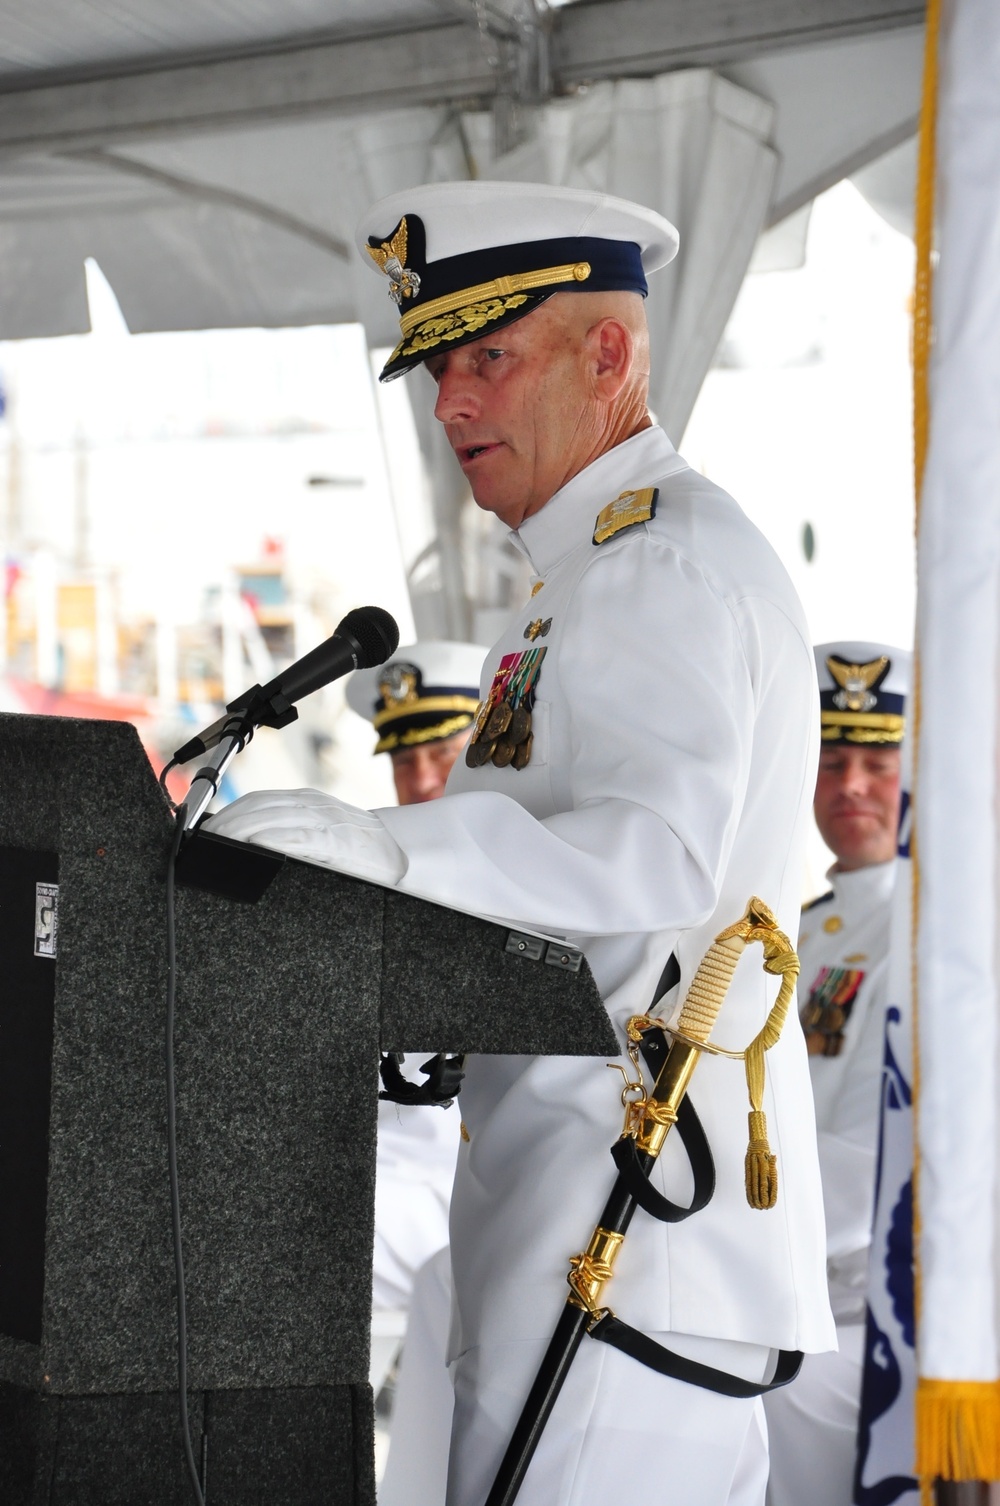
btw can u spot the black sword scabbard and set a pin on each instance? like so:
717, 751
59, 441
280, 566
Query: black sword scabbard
558, 1357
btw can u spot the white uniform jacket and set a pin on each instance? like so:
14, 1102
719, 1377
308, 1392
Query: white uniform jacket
670, 779
843, 948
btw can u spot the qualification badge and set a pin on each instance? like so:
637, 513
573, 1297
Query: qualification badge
625, 512
502, 734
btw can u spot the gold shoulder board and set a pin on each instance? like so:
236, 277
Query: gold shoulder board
624, 512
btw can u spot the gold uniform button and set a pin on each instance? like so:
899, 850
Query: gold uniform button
857, 957
464, 1132
537, 587
833, 924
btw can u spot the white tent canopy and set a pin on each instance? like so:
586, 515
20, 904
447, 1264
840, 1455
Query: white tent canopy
214, 160
203, 154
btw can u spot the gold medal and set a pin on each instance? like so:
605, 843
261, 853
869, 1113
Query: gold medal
503, 753
499, 720
482, 716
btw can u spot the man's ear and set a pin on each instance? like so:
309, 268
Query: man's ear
611, 349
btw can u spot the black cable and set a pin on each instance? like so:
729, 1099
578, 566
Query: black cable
163, 782
175, 1196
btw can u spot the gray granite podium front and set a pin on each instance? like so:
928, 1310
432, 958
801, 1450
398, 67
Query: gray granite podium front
282, 1007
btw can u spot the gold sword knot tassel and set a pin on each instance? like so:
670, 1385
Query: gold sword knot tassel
760, 1167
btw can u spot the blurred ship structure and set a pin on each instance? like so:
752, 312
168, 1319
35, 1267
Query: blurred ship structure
183, 515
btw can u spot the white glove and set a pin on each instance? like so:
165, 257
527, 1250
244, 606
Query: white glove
317, 828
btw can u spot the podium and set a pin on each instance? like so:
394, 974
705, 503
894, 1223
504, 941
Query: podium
283, 1003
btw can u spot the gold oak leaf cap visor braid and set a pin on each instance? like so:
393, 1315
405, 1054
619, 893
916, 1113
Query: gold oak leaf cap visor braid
463, 259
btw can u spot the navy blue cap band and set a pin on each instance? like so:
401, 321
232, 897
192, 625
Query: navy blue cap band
614, 265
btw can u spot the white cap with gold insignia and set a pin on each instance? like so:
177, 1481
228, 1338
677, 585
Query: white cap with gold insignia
463, 259
424, 693
862, 692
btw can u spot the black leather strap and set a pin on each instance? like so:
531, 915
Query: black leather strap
629, 1162
444, 1080
611, 1330
627, 1158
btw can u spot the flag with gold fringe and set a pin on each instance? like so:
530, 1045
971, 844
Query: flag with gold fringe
956, 840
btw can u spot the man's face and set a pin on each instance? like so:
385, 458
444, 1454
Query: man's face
421, 772
857, 803
518, 409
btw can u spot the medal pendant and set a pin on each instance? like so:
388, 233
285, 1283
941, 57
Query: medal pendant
832, 1044
520, 725
503, 753
480, 752
481, 719
522, 753
499, 720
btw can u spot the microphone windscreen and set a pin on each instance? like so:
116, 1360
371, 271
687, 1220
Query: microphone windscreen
374, 631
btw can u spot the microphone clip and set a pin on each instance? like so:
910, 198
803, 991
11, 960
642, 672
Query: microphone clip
261, 710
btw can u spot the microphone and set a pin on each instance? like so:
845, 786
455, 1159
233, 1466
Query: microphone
365, 637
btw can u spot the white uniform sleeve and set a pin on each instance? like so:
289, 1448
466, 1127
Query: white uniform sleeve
651, 674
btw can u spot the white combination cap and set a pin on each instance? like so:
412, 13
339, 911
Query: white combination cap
464, 258
424, 693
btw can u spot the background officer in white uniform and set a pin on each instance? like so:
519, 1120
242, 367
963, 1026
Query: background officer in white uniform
422, 703
843, 947
644, 763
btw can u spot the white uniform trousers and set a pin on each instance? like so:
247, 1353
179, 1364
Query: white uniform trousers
813, 1427
416, 1470
617, 1429
411, 1224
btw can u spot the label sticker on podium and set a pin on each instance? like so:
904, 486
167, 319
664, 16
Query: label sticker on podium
46, 919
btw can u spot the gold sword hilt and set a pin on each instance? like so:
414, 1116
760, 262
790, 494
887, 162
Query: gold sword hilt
653, 1118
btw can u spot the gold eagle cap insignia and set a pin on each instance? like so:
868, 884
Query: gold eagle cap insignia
398, 686
856, 681
395, 246
390, 257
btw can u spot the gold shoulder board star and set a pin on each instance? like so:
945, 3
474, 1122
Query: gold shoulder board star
624, 512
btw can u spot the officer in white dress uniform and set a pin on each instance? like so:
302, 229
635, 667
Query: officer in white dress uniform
422, 703
643, 764
843, 947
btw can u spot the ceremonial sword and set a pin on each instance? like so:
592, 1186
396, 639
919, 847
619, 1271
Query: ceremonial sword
648, 1120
